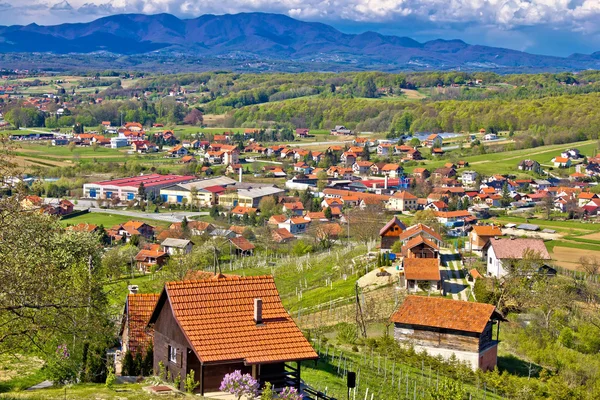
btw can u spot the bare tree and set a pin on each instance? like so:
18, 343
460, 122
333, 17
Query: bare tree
365, 223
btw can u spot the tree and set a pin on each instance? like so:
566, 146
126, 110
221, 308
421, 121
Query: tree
328, 213
66, 264
194, 117
129, 364
141, 192
365, 223
506, 199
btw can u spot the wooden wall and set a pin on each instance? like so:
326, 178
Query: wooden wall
433, 337
167, 333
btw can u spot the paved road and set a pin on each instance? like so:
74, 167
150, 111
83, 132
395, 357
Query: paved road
454, 285
92, 205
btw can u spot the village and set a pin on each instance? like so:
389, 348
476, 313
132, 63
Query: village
290, 262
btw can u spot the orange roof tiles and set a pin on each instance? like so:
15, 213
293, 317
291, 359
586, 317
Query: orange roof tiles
487, 230
216, 316
242, 243
417, 229
444, 314
422, 269
83, 227
281, 235
417, 240
138, 309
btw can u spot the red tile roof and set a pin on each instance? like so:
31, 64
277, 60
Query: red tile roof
138, 309
216, 316
83, 227
422, 269
281, 235
418, 228
487, 230
419, 240
444, 313
404, 195
392, 222
242, 243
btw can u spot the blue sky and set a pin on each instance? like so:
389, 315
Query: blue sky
554, 27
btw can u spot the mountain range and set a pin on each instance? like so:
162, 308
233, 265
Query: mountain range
262, 37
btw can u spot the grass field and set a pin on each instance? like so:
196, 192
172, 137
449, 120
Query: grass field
507, 162
108, 220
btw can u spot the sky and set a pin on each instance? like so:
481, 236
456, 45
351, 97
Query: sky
553, 27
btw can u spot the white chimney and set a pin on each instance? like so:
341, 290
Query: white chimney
386, 182
133, 289
258, 305
240, 174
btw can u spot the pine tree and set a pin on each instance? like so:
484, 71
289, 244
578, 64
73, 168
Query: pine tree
128, 364
148, 362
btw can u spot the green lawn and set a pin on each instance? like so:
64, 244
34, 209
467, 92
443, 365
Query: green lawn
507, 162
108, 220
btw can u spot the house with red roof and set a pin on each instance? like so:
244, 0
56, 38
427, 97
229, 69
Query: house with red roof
449, 328
391, 232
295, 225
422, 275
282, 235
480, 235
402, 201
221, 324
151, 258
136, 338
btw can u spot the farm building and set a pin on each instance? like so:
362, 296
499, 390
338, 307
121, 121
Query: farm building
444, 327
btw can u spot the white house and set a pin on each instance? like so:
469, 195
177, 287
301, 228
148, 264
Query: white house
468, 178
499, 252
117, 142
294, 225
173, 246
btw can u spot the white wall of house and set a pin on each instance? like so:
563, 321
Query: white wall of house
494, 264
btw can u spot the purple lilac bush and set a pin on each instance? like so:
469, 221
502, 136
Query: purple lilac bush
239, 385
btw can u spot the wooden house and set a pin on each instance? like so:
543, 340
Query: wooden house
391, 232
445, 327
225, 323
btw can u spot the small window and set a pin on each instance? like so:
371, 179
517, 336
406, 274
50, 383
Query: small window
490, 260
172, 354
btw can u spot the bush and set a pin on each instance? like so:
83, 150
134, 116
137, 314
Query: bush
110, 379
482, 292
347, 333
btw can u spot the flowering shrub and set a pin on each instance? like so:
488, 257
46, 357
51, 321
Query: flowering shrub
62, 352
239, 385
290, 393
62, 368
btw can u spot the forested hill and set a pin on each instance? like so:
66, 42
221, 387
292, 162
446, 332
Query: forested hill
260, 37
